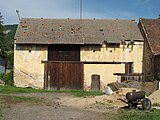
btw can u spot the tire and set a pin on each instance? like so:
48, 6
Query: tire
146, 104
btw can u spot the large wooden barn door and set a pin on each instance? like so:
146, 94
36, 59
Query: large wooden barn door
63, 70
64, 75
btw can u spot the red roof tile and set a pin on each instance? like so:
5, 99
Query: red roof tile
151, 28
75, 31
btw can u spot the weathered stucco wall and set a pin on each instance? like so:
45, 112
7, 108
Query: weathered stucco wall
148, 58
28, 66
29, 69
122, 53
105, 71
148, 63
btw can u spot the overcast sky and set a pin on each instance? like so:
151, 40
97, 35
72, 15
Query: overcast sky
100, 9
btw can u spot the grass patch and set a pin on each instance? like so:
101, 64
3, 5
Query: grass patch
7, 78
87, 93
156, 104
2, 108
26, 99
140, 115
6, 99
1, 114
78, 93
12, 89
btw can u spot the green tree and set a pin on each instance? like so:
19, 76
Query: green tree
6, 42
2, 35
6, 49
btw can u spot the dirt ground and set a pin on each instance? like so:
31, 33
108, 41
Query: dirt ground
64, 106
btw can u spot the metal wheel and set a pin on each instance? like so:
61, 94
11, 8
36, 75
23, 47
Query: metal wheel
146, 104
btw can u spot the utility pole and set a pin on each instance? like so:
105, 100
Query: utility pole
81, 9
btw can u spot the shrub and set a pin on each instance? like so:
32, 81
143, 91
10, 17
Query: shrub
7, 78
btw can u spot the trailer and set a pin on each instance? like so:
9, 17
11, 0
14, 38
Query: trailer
136, 98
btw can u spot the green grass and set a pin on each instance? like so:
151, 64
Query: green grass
16, 90
140, 115
2, 108
12, 89
156, 104
87, 93
26, 99
7, 99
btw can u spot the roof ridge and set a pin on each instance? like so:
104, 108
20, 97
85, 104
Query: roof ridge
80, 19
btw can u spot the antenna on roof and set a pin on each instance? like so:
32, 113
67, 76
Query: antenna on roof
81, 8
18, 14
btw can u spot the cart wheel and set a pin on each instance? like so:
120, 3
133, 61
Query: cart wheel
146, 104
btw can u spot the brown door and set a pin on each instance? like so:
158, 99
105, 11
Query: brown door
64, 75
128, 67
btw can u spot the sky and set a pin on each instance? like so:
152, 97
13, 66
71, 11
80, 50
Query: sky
99, 9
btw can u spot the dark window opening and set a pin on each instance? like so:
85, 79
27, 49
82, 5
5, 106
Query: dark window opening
113, 45
64, 52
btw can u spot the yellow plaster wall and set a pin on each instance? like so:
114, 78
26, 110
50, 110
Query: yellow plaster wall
123, 53
105, 71
29, 70
28, 66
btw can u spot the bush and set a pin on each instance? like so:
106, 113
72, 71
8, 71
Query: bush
7, 78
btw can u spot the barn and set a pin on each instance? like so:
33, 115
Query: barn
150, 29
69, 53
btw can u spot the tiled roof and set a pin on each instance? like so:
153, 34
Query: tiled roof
151, 28
75, 31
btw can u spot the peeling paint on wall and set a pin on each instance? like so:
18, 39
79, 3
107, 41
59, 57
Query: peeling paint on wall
29, 69
28, 66
109, 54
